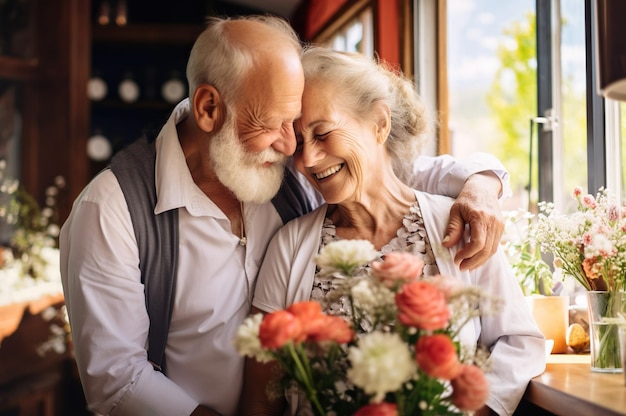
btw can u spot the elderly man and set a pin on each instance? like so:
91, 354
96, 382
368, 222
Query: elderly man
217, 164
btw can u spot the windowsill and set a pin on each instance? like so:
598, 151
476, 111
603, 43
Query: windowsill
569, 387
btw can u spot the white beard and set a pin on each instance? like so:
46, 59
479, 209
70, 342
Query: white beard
241, 171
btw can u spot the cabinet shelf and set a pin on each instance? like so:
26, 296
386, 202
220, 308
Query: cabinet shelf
137, 105
174, 34
18, 68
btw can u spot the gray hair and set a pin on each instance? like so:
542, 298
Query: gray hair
221, 59
361, 82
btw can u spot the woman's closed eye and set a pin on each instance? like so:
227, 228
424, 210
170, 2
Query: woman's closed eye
321, 136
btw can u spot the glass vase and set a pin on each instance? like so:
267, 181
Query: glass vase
622, 341
604, 336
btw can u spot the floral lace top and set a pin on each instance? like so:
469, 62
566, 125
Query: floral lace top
411, 237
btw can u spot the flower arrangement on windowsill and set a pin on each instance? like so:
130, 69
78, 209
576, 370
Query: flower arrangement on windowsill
590, 245
396, 355
29, 255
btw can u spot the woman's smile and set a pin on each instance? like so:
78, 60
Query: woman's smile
328, 172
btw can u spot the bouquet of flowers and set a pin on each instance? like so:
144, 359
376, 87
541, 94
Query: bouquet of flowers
397, 354
589, 244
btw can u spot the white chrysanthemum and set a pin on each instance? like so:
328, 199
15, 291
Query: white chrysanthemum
345, 255
381, 363
247, 339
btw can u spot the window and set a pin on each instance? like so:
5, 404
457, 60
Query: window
492, 87
355, 35
520, 86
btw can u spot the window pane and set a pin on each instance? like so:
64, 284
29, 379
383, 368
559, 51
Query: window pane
573, 125
492, 83
355, 36
622, 106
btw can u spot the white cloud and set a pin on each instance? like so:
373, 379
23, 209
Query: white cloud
486, 18
481, 68
461, 6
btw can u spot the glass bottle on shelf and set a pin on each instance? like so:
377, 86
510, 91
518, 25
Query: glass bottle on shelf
128, 89
104, 13
173, 90
99, 147
97, 88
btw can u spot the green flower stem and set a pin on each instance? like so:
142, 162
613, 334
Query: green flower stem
303, 373
608, 353
608, 347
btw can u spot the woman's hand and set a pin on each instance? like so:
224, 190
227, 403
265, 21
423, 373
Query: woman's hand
478, 207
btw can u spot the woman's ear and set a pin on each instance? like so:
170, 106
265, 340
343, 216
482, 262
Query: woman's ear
208, 108
382, 116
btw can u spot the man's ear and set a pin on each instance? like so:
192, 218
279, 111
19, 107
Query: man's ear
208, 108
382, 116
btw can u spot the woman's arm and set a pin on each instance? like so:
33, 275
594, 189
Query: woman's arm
260, 395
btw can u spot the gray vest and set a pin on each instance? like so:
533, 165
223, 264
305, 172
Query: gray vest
157, 235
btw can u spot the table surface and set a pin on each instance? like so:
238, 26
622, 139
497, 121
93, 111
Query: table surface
569, 387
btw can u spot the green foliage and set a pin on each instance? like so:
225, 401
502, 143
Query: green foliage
513, 99
513, 102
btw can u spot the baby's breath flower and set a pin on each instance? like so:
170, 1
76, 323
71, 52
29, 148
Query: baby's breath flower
588, 244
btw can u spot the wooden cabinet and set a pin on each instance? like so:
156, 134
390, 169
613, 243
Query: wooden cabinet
35, 358
150, 50
143, 56
67, 47
48, 67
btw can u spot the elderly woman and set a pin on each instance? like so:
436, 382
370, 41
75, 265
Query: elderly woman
360, 129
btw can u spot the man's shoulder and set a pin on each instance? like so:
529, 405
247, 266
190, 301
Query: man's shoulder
101, 197
101, 188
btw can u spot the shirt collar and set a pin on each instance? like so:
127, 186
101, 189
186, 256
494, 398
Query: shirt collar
175, 187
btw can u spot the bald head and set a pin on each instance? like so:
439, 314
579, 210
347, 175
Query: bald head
259, 34
229, 49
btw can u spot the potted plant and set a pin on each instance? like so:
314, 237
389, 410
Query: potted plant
34, 333
537, 279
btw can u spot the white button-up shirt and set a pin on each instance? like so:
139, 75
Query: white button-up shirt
105, 297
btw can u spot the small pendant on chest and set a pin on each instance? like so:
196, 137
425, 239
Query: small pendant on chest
243, 241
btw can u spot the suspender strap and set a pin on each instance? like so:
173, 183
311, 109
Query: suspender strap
291, 201
157, 240
157, 235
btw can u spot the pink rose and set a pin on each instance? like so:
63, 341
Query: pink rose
378, 409
398, 267
470, 388
310, 315
278, 328
334, 328
437, 357
422, 305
